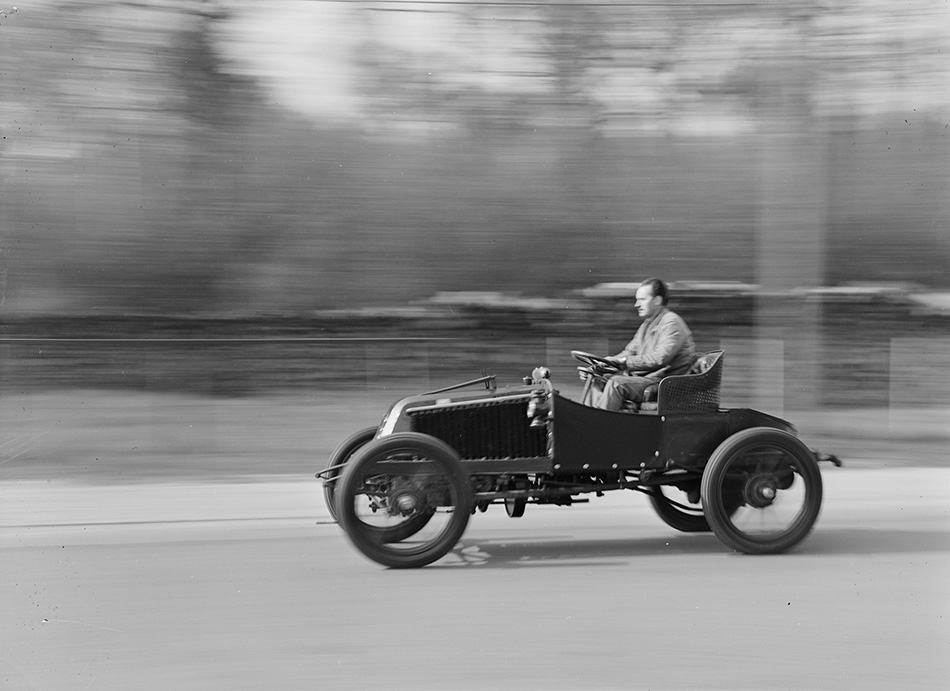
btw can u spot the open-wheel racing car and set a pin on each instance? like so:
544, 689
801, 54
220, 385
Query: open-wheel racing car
404, 491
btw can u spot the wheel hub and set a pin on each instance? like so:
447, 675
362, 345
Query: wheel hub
760, 490
406, 502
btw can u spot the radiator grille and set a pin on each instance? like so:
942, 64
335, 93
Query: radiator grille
491, 430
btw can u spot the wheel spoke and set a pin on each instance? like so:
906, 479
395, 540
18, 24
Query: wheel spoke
767, 510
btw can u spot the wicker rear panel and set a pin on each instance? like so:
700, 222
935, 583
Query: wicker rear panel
493, 430
692, 393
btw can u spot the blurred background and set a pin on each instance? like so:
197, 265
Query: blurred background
231, 199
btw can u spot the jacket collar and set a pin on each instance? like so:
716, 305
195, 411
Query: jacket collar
650, 321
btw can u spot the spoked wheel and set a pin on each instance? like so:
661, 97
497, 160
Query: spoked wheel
777, 478
342, 454
677, 511
404, 500
673, 506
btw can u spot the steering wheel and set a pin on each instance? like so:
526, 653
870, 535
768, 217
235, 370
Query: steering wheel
597, 364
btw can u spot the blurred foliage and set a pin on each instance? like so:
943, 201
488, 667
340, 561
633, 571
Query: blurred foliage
149, 165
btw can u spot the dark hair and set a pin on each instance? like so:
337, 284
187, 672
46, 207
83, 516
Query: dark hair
658, 287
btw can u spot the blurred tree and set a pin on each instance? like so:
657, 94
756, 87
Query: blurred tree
504, 146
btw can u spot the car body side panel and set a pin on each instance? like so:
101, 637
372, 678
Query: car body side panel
492, 433
587, 439
688, 439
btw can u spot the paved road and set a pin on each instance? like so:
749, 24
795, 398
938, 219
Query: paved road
247, 586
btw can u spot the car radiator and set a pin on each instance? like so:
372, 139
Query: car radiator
493, 430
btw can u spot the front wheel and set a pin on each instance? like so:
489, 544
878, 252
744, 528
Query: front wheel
775, 480
338, 459
404, 500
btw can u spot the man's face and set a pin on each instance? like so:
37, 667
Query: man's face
648, 304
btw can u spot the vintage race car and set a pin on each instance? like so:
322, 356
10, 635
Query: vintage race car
403, 491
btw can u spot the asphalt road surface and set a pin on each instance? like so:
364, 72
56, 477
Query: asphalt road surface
249, 586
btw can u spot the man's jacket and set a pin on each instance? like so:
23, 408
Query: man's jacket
663, 345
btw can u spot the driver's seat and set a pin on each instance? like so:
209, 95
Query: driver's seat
694, 392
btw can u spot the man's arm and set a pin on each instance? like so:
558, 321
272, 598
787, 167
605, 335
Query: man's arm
632, 348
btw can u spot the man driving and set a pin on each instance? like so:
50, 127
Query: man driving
662, 346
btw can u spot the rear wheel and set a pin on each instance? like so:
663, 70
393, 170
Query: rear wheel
672, 506
776, 478
675, 508
404, 500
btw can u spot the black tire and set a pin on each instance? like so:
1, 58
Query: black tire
778, 483
339, 458
686, 521
338, 461
404, 500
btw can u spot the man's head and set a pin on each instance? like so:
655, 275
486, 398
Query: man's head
652, 297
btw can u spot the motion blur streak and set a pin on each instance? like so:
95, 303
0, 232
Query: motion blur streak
240, 198
230, 156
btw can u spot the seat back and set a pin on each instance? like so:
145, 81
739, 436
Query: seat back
695, 392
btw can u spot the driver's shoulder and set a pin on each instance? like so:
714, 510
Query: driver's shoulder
668, 317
